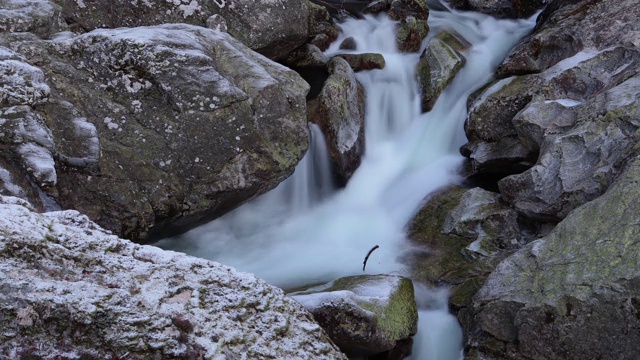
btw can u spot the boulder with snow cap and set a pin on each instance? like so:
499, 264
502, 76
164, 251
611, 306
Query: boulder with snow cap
72, 290
364, 315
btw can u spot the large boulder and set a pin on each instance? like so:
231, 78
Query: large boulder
501, 8
72, 290
271, 27
568, 27
364, 315
438, 65
561, 116
339, 111
189, 123
578, 164
41, 17
556, 297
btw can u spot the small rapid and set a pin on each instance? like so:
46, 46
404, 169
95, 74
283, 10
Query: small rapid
306, 231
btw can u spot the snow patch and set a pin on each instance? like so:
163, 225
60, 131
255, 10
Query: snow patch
39, 163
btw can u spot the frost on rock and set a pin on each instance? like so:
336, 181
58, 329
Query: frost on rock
41, 17
21, 83
73, 290
39, 163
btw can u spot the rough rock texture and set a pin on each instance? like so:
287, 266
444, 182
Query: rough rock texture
570, 26
501, 8
189, 123
71, 290
438, 65
578, 164
271, 27
574, 120
339, 111
364, 315
464, 233
483, 217
40, 17
364, 61
410, 33
574, 294
322, 28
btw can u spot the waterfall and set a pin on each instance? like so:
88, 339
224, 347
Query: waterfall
306, 232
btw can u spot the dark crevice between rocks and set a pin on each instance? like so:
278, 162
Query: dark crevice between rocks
315, 77
488, 179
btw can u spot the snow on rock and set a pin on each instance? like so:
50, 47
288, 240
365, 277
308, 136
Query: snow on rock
364, 315
73, 290
39, 162
42, 17
20, 83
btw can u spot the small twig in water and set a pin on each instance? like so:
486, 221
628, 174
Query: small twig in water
367, 257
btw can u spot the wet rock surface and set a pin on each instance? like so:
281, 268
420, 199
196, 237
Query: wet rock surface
438, 65
339, 111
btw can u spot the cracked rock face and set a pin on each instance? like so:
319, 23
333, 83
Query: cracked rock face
71, 289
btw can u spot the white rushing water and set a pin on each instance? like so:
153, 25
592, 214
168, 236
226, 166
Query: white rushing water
307, 232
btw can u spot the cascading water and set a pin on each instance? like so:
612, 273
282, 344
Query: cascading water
306, 232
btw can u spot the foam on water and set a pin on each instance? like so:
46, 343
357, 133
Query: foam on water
306, 232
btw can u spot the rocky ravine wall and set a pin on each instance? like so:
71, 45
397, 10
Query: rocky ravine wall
559, 128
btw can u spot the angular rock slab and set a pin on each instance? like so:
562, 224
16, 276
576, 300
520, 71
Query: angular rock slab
568, 27
72, 290
339, 111
560, 295
438, 65
364, 315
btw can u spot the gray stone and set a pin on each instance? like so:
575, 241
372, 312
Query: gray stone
190, 123
41, 17
364, 61
72, 290
348, 44
438, 65
568, 27
501, 8
339, 111
482, 217
556, 297
272, 28
410, 33
364, 315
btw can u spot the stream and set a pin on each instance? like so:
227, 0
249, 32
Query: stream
307, 231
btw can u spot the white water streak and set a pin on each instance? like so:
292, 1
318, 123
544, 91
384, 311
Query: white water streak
292, 239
